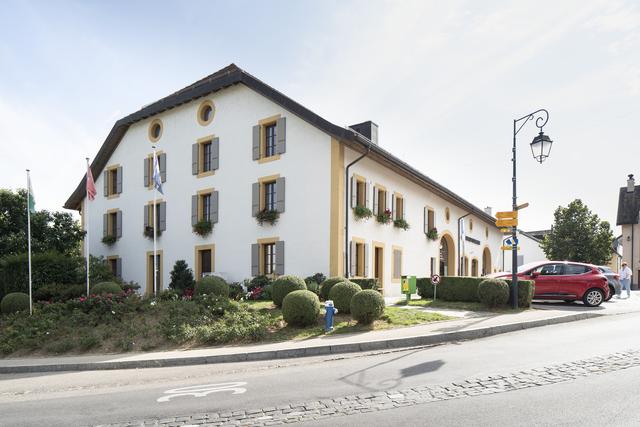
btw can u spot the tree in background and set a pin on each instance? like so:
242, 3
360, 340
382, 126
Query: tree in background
578, 235
181, 277
50, 231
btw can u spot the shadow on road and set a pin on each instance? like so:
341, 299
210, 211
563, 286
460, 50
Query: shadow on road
421, 368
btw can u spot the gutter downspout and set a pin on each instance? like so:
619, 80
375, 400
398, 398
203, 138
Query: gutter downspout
460, 260
346, 210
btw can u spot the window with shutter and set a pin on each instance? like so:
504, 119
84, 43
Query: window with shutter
161, 218
268, 256
398, 206
112, 181
397, 263
269, 139
204, 260
206, 156
359, 258
115, 265
207, 206
113, 223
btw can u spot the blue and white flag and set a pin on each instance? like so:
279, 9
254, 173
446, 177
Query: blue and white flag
157, 179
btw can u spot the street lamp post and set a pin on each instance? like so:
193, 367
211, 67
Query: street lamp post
540, 148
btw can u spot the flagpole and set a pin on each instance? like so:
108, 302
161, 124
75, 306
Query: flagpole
155, 256
86, 226
29, 239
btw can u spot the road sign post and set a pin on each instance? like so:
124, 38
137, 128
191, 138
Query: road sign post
435, 279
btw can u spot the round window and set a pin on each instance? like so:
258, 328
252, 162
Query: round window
155, 130
205, 113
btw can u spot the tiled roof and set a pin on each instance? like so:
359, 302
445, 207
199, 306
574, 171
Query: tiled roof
628, 206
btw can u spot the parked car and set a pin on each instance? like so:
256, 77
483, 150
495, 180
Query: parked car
613, 278
566, 281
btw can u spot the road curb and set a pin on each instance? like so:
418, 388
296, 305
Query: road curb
394, 343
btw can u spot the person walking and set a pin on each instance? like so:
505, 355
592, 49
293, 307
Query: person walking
625, 278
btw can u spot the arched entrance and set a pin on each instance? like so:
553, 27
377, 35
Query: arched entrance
486, 261
447, 256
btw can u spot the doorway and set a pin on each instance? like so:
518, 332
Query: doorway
158, 272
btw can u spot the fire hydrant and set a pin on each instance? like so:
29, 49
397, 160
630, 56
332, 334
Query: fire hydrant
329, 312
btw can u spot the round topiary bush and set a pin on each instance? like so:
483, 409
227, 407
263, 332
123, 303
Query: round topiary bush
14, 302
493, 292
367, 306
325, 287
283, 285
212, 285
106, 288
341, 294
301, 308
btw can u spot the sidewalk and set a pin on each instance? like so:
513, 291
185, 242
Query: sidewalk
471, 327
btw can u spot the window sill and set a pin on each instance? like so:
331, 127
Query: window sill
113, 196
269, 159
205, 174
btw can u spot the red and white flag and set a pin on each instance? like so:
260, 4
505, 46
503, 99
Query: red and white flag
91, 185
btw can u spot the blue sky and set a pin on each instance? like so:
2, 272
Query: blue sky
444, 80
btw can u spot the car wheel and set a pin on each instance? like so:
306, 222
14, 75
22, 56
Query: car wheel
593, 297
612, 291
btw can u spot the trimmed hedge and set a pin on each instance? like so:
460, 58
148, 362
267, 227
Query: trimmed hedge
366, 283
57, 292
493, 292
341, 294
14, 302
367, 306
283, 285
212, 285
106, 288
301, 308
325, 287
526, 290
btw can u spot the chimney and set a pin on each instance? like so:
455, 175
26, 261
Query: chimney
631, 184
488, 210
367, 129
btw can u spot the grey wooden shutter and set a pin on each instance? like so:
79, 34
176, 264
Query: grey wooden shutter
105, 178
256, 142
119, 268
375, 201
367, 187
280, 194
389, 196
119, 180
280, 258
393, 206
404, 208
366, 260
255, 259
214, 161
255, 198
281, 135
162, 164
119, 224
163, 216
146, 216
354, 192
146, 172
353, 262
105, 224
213, 207
194, 159
194, 210
425, 227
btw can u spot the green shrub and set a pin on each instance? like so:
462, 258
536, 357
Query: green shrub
325, 287
283, 285
212, 285
301, 308
106, 288
181, 277
526, 290
130, 286
424, 287
493, 292
259, 282
235, 291
341, 294
14, 302
317, 278
366, 283
455, 288
313, 287
168, 295
367, 306
57, 292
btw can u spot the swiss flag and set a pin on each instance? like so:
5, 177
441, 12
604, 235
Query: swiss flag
91, 185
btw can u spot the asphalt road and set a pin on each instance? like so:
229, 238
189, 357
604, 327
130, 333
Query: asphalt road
84, 398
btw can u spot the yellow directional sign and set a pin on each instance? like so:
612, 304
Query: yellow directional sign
507, 222
507, 215
508, 248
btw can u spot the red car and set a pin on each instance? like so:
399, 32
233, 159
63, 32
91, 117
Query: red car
567, 281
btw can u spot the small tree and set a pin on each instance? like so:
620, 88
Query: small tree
578, 235
181, 277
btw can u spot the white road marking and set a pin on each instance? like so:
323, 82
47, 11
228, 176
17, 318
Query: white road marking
203, 390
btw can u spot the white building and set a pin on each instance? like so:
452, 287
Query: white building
231, 146
629, 219
529, 249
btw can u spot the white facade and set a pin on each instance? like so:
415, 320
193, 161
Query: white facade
312, 224
530, 251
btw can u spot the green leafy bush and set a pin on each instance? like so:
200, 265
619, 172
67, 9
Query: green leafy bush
168, 295
213, 285
259, 282
236, 292
526, 290
14, 302
181, 277
325, 287
317, 278
301, 308
313, 287
283, 285
367, 306
366, 283
106, 288
362, 212
424, 287
341, 294
493, 292
56, 292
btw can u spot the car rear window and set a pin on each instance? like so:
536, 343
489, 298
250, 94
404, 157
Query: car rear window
576, 269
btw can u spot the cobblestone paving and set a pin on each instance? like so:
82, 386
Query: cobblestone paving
382, 400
